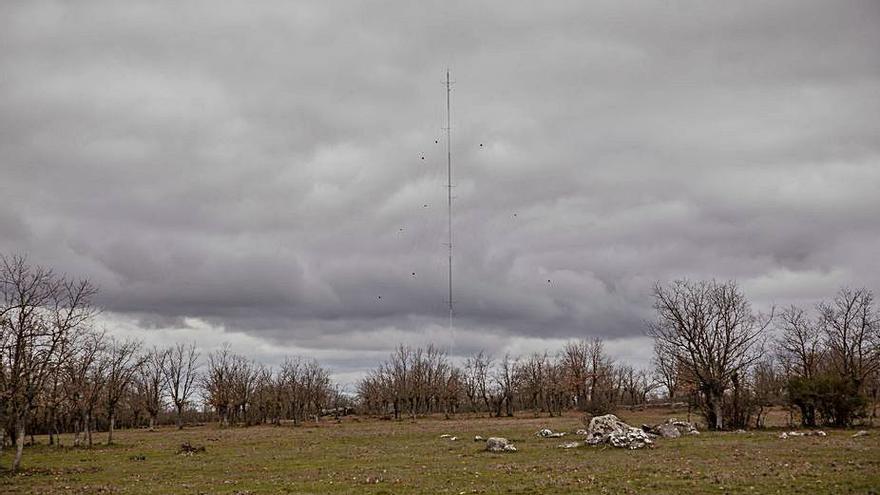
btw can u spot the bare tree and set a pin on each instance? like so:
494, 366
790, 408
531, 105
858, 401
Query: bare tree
451, 392
799, 345
399, 368
38, 313
769, 387
852, 334
150, 383
293, 371
218, 384
556, 390
666, 371
244, 379
504, 378
124, 361
532, 380
180, 373
262, 403
477, 369
635, 384
575, 359
600, 374
84, 379
711, 331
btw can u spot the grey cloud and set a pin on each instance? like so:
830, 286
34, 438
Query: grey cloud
259, 166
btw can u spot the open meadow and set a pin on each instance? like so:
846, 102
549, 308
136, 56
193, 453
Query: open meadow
375, 456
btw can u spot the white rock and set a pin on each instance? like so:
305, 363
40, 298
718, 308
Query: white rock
672, 428
498, 444
548, 433
611, 430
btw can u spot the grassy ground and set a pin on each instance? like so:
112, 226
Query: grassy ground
375, 457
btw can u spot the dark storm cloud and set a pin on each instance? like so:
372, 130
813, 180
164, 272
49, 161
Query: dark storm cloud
259, 167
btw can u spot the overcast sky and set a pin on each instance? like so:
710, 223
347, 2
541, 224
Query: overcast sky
252, 172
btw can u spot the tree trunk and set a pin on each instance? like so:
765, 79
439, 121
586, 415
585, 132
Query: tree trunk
50, 423
111, 427
19, 443
179, 418
79, 428
719, 413
89, 429
152, 422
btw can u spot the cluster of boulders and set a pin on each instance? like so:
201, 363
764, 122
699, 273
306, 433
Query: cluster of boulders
609, 429
602, 430
671, 428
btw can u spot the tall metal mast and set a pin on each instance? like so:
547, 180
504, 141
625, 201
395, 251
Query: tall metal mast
449, 195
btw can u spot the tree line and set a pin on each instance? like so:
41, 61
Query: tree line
419, 381
60, 374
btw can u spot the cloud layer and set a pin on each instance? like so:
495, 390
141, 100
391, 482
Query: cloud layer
258, 168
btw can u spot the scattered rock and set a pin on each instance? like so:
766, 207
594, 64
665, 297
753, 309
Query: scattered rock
684, 427
548, 433
611, 430
139, 457
860, 433
581, 432
570, 445
189, 449
811, 433
667, 430
478, 438
445, 435
671, 428
498, 444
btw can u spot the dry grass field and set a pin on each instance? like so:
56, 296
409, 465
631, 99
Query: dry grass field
376, 457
